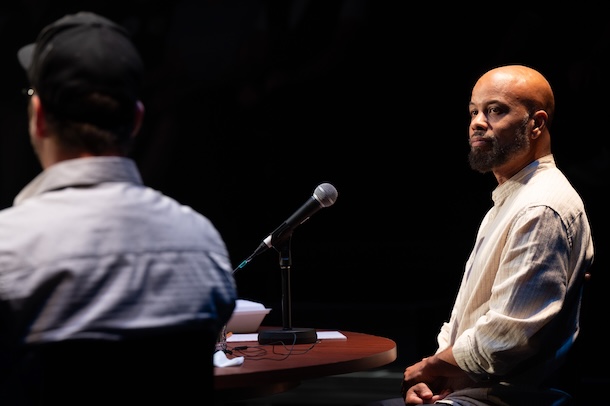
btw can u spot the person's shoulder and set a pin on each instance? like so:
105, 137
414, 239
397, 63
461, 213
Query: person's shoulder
184, 215
550, 187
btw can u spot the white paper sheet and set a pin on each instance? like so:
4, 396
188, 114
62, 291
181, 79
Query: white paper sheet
322, 335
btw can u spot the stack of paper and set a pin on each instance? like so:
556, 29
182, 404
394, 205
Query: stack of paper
247, 317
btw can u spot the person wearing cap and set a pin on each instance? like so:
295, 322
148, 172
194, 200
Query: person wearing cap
110, 291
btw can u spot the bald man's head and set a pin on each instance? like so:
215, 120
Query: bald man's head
510, 111
525, 84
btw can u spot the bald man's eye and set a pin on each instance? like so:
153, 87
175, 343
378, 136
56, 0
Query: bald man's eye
494, 110
473, 113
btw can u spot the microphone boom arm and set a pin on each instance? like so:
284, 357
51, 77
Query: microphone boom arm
323, 196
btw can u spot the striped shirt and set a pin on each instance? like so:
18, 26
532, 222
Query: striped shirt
517, 310
88, 251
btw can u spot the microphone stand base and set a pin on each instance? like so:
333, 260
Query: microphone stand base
288, 336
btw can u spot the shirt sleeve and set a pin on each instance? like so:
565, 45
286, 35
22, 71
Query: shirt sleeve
444, 336
527, 292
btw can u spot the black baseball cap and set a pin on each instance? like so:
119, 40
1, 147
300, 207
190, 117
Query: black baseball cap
79, 54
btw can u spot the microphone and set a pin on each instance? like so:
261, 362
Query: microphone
323, 196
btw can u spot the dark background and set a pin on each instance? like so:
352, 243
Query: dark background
251, 104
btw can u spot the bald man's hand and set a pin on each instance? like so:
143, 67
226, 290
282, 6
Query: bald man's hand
421, 394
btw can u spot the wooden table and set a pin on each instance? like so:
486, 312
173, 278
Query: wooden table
270, 369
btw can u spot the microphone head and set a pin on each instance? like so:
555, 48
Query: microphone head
326, 194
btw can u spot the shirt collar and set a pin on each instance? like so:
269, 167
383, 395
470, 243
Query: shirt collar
81, 172
504, 190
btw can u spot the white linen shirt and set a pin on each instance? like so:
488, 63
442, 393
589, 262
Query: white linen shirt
87, 251
517, 310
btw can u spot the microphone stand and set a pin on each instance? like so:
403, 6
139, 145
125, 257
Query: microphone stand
287, 334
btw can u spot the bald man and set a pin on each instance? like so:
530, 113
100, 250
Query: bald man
516, 314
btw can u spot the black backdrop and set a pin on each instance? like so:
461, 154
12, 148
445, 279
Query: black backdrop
251, 104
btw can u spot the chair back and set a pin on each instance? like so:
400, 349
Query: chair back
168, 369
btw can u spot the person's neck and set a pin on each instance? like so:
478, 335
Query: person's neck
56, 155
512, 167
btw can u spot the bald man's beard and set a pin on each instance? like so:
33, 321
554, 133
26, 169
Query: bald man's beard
485, 160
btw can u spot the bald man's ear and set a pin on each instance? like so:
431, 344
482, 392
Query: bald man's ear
540, 119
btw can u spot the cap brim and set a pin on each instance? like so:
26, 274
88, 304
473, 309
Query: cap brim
25, 55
